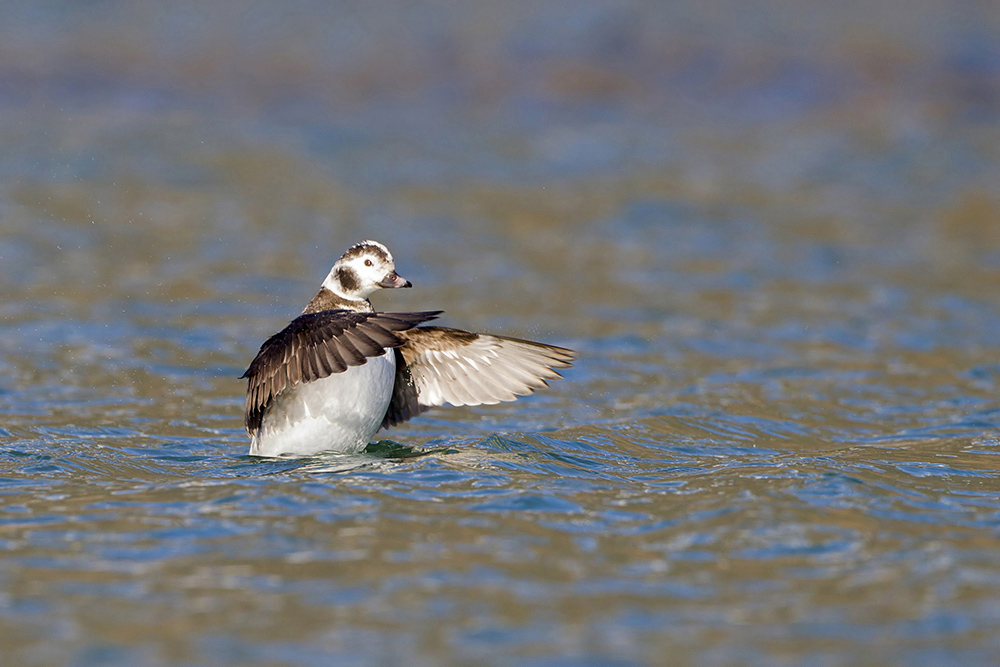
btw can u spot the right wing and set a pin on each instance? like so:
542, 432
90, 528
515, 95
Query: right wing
317, 345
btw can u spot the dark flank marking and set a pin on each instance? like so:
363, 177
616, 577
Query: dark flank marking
403, 406
316, 345
348, 279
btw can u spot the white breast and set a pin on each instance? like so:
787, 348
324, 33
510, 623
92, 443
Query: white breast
339, 413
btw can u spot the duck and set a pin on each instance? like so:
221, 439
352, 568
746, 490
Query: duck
340, 371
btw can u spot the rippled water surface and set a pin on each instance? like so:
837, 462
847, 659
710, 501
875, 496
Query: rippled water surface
771, 231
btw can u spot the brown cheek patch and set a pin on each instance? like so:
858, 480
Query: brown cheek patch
348, 279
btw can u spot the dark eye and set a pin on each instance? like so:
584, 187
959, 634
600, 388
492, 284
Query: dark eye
368, 262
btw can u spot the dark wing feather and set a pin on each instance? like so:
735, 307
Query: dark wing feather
403, 405
437, 365
316, 345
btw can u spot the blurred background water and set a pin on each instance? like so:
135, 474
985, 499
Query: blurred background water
770, 229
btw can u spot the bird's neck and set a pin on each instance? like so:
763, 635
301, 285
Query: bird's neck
327, 300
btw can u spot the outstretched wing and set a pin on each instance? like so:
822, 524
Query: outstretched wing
437, 365
317, 345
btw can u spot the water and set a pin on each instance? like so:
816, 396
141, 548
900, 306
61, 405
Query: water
770, 232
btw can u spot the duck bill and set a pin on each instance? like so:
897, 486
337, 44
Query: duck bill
393, 279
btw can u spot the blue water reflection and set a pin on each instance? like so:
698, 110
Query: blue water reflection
769, 232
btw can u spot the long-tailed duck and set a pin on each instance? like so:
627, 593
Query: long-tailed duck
341, 371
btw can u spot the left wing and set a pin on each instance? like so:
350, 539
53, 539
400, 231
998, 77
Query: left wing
437, 365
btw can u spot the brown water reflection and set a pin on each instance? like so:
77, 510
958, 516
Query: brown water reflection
769, 230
